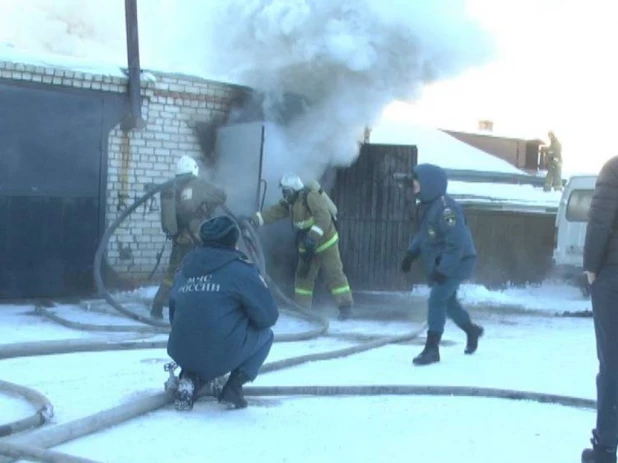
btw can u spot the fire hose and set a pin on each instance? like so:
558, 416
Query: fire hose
33, 445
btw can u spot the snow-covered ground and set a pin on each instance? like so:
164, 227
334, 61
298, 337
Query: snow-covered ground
526, 347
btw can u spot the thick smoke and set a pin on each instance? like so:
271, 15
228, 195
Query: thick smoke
348, 58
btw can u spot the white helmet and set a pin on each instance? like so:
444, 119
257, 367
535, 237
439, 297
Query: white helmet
291, 182
187, 165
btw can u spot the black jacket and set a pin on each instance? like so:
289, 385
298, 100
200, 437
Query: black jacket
601, 246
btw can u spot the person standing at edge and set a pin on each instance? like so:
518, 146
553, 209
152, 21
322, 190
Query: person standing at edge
601, 267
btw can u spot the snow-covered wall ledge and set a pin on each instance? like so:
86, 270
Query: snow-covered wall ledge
171, 105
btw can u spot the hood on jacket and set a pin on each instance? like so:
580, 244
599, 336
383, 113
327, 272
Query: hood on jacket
206, 259
433, 182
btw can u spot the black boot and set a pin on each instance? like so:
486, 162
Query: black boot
345, 311
188, 387
598, 453
232, 392
431, 352
473, 333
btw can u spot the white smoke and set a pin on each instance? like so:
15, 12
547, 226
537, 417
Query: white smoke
73, 28
349, 58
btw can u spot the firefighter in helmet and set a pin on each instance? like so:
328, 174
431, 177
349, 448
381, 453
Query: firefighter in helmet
184, 207
313, 216
554, 164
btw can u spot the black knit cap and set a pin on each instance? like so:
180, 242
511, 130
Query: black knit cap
220, 230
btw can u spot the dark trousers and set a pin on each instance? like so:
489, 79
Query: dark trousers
443, 302
251, 366
604, 292
179, 251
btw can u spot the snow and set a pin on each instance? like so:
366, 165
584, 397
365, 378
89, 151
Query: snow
540, 297
12, 55
492, 193
437, 147
525, 347
493, 133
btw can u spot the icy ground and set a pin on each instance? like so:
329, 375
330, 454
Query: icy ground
526, 347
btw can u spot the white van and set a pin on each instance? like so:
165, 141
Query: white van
571, 222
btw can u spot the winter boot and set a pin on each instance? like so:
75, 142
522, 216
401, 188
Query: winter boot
598, 453
431, 352
188, 387
232, 392
345, 311
473, 333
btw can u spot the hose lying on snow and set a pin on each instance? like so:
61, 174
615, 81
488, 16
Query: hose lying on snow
52, 436
56, 435
44, 408
279, 337
28, 446
38, 454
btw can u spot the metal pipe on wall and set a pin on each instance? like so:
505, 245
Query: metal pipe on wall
134, 118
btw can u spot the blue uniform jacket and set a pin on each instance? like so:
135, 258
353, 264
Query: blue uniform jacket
220, 310
443, 240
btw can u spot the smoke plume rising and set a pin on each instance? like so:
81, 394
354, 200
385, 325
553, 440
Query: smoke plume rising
348, 58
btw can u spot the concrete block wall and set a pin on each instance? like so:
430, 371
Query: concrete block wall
139, 159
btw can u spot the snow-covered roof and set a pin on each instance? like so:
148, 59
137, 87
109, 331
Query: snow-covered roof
437, 147
10, 54
487, 133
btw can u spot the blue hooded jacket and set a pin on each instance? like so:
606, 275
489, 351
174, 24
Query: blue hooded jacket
443, 241
221, 311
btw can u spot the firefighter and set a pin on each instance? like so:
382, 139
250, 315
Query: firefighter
554, 164
183, 209
314, 218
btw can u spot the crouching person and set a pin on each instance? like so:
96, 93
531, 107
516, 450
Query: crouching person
221, 314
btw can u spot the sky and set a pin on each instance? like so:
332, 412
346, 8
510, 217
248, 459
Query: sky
529, 66
554, 69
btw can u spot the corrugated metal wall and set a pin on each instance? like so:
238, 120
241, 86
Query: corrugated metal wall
53, 180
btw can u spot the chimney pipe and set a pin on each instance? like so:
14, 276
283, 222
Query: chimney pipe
134, 119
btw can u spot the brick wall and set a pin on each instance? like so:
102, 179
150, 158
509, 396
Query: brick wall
172, 104
139, 159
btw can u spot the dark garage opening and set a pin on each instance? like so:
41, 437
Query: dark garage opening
53, 177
